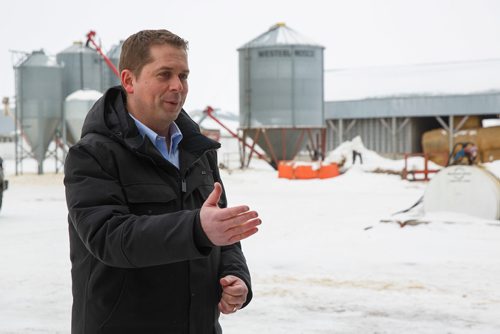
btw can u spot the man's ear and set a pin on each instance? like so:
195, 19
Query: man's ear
128, 78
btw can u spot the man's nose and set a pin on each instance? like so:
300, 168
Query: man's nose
176, 84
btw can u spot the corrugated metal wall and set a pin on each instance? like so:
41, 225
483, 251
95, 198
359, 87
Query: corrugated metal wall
377, 135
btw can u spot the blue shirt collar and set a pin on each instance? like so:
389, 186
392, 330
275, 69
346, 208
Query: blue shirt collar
159, 141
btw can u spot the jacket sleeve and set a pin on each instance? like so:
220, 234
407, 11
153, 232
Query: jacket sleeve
100, 215
233, 261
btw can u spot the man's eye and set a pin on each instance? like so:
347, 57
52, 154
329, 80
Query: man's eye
183, 76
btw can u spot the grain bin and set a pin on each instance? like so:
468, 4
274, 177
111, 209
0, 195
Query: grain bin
281, 87
83, 68
110, 78
39, 105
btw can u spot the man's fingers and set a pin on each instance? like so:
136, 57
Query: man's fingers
235, 291
234, 300
228, 280
214, 196
243, 227
227, 308
229, 213
219, 224
244, 235
241, 219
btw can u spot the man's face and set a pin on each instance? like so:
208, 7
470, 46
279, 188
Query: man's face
156, 96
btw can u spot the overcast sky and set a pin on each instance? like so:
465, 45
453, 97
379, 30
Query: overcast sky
356, 33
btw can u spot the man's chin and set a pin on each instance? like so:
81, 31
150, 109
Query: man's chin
172, 115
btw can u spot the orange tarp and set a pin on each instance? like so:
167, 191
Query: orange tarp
328, 171
292, 171
305, 172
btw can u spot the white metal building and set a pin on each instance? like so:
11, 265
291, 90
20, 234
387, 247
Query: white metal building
391, 107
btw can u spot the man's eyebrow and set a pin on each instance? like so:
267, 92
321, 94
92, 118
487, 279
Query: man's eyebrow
166, 68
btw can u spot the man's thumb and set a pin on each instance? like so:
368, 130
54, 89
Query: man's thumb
227, 280
214, 196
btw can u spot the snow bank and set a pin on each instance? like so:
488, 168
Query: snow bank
321, 262
343, 156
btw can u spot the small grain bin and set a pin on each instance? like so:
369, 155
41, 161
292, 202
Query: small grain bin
82, 68
39, 102
281, 91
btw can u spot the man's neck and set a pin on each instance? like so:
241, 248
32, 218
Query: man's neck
163, 131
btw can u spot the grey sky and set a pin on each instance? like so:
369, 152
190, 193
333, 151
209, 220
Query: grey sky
356, 33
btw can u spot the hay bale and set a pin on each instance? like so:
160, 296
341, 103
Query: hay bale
487, 140
435, 144
472, 122
490, 155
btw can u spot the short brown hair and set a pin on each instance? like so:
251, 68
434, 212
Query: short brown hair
136, 48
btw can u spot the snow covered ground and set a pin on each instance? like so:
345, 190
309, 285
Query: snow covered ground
321, 263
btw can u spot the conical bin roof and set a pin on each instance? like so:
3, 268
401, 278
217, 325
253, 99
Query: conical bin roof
279, 34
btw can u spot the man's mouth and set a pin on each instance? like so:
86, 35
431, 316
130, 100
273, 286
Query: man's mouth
172, 102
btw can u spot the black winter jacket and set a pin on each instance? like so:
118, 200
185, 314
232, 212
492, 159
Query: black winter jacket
141, 262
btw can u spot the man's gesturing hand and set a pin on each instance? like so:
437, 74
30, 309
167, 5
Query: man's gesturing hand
225, 226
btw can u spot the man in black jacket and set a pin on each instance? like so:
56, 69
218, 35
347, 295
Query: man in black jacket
154, 249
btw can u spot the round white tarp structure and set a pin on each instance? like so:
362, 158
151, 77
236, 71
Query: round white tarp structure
76, 108
464, 189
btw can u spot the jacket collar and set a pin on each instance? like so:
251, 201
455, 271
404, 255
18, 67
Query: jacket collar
109, 117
